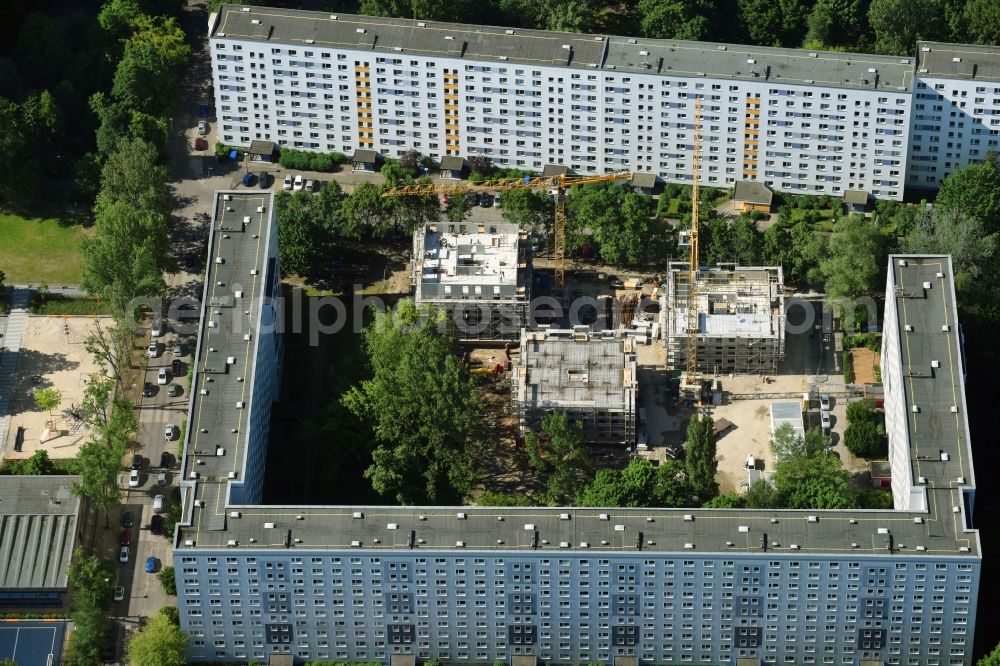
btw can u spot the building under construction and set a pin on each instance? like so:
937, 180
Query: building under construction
589, 376
741, 318
479, 273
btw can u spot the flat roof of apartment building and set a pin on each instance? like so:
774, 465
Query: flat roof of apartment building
933, 378
470, 261
519, 46
238, 276
958, 61
212, 522
38, 523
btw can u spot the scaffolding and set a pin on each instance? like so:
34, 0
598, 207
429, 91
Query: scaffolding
480, 274
589, 376
741, 318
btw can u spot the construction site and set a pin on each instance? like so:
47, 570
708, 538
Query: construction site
740, 311
592, 377
479, 274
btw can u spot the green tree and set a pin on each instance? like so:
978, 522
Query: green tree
855, 259
762, 495
747, 241
42, 50
494, 498
116, 17
774, 246
559, 454
726, 501
862, 410
786, 444
423, 406
639, 485
302, 240
150, 71
818, 482
20, 186
38, 464
974, 252
97, 398
366, 212
168, 580
836, 23
991, 659
676, 19
132, 176
774, 22
98, 466
528, 210
159, 643
865, 439
983, 20
47, 399
124, 258
973, 192
92, 581
702, 463
898, 24
458, 208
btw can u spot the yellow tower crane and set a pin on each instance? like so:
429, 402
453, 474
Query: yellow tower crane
693, 327
557, 186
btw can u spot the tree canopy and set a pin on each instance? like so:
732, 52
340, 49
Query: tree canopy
639, 485
855, 259
701, 460
159, 643
973, 192
423, 406
559, 454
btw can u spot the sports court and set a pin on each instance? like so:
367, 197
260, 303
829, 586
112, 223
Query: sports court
32, 643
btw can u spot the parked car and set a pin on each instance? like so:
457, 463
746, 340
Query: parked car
445, 199
310, 185
170, 432
486, 200
150, 564
203, 127
824, 418
153, 350
133, 478
158, 504
174, 390
123, 554
148, 390
177, 367
203, 111
164, 459
297, 184
119, 593
161, 479
177, 348
247, 179
156, 328
200, 143
161, 376
136, 461
126, 537
674, 451
287, 184
474, 198
156, 524
264, 180
824, 402
127, 519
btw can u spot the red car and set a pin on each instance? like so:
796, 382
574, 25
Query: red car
200, 143
126, 537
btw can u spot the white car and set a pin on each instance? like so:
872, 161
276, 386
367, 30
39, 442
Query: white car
310, 185
824, 402
161, 376
824, 418
170, 432
153, 350
133, 479
123, 554
203, 127
157, 328
297, 187
287, 184
119, 593
158, 504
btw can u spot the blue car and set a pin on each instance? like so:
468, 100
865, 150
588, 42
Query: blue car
203, 111
150, 564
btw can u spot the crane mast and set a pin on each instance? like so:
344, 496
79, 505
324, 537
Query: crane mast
693, 327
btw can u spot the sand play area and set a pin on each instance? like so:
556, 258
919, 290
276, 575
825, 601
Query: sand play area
52, 355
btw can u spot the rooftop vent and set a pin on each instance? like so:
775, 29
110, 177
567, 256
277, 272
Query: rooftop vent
794, 546
584, 544
509, 32
901, 263
945, 328
619, 528
358, 515
689, 546
563, 516
308, 41
449, 37
564, 544
603, 516
688, 517
227, 197
529, 526
935, 364
883, 530
956, 60
954, 409
189, 542
392, 526
461, 515
945, 457
421, 24
355, 544
961, 479
255, 21
918, 520
921, 548
234, 514
812, 519
360, 31
459, 544
244, 9
232, 542
744, 528
268, 526
751, 61
939, 275
916, 409
567, 47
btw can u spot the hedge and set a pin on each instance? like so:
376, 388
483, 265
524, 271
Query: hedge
309, 161
847, 366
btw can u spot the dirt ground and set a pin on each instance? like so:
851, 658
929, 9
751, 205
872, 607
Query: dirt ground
52, 355
863, 362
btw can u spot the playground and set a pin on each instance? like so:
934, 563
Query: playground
52, 355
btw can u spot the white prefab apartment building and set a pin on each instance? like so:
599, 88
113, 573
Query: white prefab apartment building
799, 121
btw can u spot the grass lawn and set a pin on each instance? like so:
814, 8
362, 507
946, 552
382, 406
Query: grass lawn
799, 213
34, 250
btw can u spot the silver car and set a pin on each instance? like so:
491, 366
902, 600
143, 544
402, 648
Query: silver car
824, 402
824, 419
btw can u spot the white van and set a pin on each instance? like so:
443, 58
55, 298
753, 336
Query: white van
158, 504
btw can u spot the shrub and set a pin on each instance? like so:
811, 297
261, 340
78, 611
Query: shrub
222, 151
167, 580
864, 439
847, 366
309, 161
